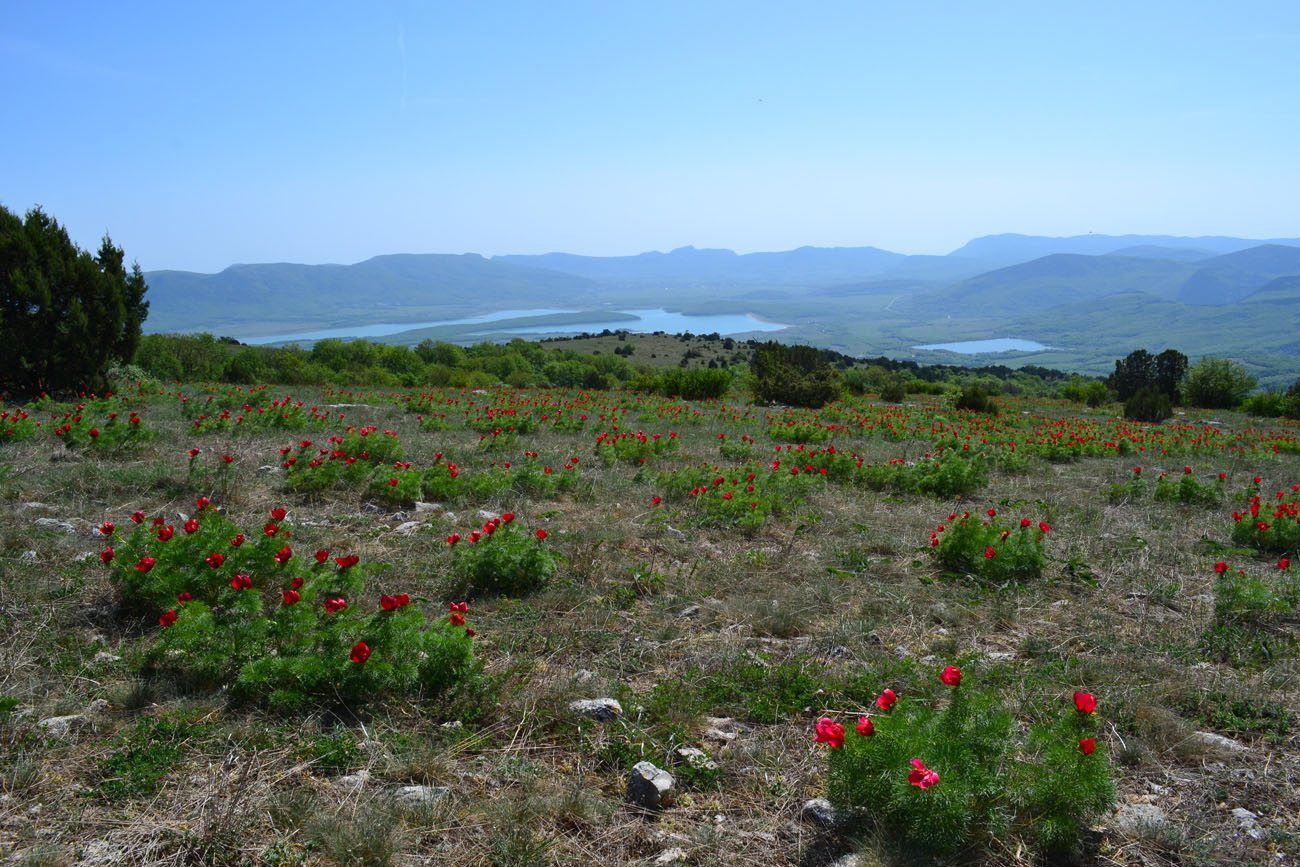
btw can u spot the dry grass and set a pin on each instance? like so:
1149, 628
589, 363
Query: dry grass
841, 588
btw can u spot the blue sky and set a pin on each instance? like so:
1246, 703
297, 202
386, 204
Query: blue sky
201, 135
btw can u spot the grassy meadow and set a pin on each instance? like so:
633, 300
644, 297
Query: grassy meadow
726, 602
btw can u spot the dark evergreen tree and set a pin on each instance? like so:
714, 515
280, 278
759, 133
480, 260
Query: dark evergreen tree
64, 314
795, 375
1171, 367
1132, 372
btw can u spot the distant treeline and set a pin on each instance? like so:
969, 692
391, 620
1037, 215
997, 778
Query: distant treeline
523, 363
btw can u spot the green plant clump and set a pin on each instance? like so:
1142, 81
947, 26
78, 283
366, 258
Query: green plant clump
989, 550
966, 774
502, 560
254, 618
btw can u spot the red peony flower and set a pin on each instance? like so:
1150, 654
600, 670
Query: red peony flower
886, 700
1085, 702
214, 560
1088, 745
106, 528
951, 676
295, 583
137, 516
322, 555
830, 733
866, 727
990, 553
107, 556
290, 596
1221, 566
194, 453
166, 533
169, 618
922, 776
360, 652
270, 529
145, 564
191, 525
201, 503
278, 514
388, 603
507, 517
541, 534
347, 562
241, 582
453, 538
282, 556
1025, 522
333, 605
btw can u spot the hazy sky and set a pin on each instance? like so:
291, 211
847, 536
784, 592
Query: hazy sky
205, 134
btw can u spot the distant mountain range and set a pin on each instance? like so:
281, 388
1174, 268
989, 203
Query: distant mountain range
1087, 297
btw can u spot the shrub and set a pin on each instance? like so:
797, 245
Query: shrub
966, 773
989, 550
244, 613
1277, 530
975, 399
793, 375
697, 384
1216, 383
1188, 491
501, 560
893, 392
1148, 405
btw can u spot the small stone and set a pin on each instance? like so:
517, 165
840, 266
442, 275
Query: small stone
412, 795
84, 556
688, 613
451, 724
34, 505
401, 516
874, 640
449, 517
64, 726
1136, 818
484, 515
370, 509
27, 557
584, 675
1001, 655
55, 524
1217, 741
406, 528
697, 758
99, 705
671, 856
647, 785
267, 468
421, 506
1249, 822
818, 811
353, 782
1157, 789
104, 658
599, 709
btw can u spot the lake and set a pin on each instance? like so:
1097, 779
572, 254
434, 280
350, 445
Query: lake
998, 344
647, 320
657, 320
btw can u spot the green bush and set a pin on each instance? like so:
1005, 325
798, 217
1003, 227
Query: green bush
975, 399
697, 384
990, 550
1216, 383
243, 613
945, 778
793, 375
502, 560
1148, 405
1188, 491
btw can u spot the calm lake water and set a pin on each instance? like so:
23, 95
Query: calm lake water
394, 327
646, 321
1000, 344
657, 320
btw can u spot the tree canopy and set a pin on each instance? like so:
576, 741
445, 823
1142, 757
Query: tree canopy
65, 315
